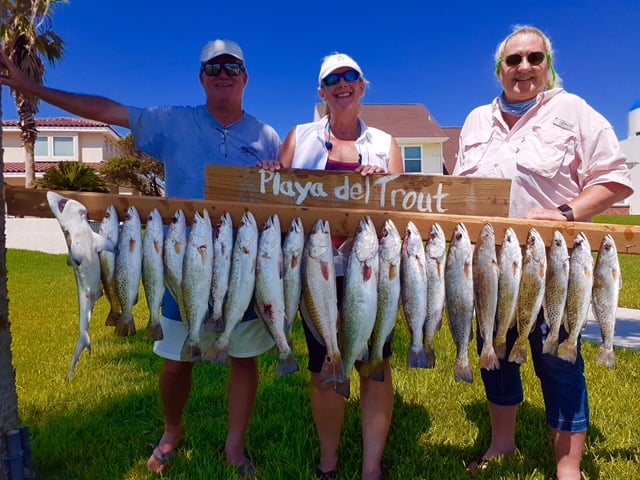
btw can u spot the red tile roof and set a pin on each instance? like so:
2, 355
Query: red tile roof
60, 122
450, 147
399, 120
40, 167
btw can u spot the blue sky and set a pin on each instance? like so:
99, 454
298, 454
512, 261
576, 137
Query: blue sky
440, 54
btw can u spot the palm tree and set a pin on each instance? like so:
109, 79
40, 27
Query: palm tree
73, 176
27, 36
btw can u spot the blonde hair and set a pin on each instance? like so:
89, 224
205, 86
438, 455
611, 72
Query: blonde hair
553, 79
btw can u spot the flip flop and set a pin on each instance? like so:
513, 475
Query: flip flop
163, 459
484, 463
246, 469
332, 475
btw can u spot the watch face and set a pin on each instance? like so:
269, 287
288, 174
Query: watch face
564, 208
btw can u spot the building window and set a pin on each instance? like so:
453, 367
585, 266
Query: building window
412, 157
63, 146
41, 148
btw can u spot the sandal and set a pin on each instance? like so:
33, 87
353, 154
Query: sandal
245, 469
332, 475
484, 463
163, 459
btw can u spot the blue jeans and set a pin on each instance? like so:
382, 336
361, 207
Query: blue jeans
564, 387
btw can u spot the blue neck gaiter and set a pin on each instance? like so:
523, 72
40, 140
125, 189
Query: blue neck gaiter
516, 109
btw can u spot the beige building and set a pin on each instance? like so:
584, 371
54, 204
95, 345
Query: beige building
59, 140
421, 140
631, 148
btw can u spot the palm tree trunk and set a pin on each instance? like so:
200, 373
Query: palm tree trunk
8, 394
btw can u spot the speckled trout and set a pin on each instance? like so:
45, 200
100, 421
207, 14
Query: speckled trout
292, 248
175, 244
360, 301
269, 292
388, 299
607, 281
555, 290
197, 268
319, 303
110, 228
153, 273
510, 271
128, 270
436, 257
485, 293
531, 294
578, 296
458, 279
222, 250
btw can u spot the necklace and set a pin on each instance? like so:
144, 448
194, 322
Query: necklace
329, 145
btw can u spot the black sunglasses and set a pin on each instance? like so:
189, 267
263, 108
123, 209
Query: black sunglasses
515, 59
215, 69
332, 79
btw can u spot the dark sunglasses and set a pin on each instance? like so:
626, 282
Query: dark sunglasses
332, 79
215, 69
515, 59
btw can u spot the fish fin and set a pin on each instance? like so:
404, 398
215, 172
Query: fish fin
568, 351
217, 354
191, 351
500, 347
518, 352
551, 345
373, 370
125, 329
113, 318
102, 243
607, 357
332, 370
417, 359
344, 388
430, 355
488, 357
287, 365
463, 373
83, 343
153, 331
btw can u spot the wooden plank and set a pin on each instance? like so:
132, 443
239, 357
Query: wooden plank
343, 221
331, 189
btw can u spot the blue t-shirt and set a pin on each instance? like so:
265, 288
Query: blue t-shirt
185, 139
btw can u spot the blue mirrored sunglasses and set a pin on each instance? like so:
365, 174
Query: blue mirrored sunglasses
215, 69
332, 79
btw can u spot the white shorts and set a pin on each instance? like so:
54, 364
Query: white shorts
250, 339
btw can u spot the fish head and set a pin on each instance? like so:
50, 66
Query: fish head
69, 213
365, 244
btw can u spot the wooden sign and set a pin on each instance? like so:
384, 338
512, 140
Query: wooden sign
388, 192
343, 221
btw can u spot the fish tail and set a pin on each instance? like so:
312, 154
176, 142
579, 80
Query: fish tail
463, 373
191, 351
344, 388
219, 324
488, 358
606, 356
500, 347
113, 318
332, 369
518, 352
551, 345
373, 370
153, 331
430, 355
218, 354
83, 343
568, 351
287, 364
125, 329
417, 358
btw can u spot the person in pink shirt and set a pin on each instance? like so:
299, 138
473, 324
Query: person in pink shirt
565, 164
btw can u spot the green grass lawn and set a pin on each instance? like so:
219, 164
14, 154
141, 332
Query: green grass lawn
104, 423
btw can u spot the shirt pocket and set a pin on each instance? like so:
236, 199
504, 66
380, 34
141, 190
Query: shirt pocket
473, 148
547, 149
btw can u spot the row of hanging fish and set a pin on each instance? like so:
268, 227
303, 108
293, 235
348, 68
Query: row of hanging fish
215, 276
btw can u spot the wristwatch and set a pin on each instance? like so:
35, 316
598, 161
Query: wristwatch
567, 211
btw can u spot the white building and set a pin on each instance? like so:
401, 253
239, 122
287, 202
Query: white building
631, 148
